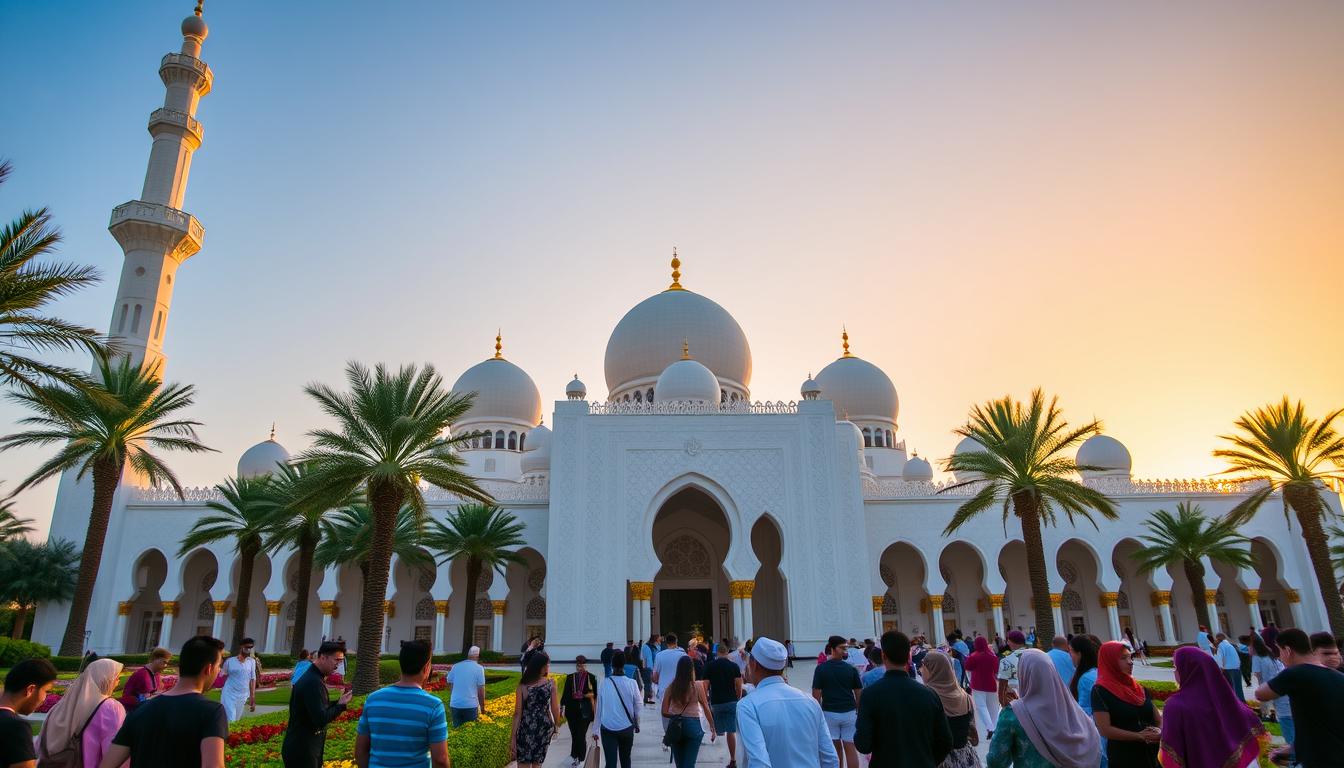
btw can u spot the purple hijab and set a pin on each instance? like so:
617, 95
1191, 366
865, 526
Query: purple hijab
1203, 724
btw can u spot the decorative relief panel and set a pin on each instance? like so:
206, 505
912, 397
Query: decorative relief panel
686, 558
1068, 572
1122, 600
889, 605
536, 609
425, 578
888, 577
208, 580
536, 578
483, 609
206, 610
424, 610
1071, 600
292, 612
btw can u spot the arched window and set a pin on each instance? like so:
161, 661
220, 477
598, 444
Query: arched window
522, 437
890, 444
513, 441
499, 439
877, 439
867, 438
648, 396
121, 326
627, 397
723, 396
733, 398
639, 396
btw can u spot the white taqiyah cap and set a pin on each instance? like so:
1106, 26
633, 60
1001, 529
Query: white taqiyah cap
473, 651
769, 654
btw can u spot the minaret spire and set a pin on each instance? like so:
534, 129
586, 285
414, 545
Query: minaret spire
676, 272
844, 341
155, 234
499, 344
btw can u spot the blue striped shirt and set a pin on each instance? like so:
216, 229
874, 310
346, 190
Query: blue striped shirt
401, 724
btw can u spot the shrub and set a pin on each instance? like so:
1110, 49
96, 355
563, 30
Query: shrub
14, 651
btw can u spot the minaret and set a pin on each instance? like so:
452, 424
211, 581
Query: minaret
155, 234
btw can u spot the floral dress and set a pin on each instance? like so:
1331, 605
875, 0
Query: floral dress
534, 723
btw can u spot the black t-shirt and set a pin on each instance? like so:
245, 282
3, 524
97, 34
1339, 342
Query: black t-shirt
1127, 717
1318, 712
721, 673
16, 739
168, 730
838, 680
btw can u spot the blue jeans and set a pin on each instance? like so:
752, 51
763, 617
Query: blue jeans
616, 746
464, 715
1288, 729
685, 751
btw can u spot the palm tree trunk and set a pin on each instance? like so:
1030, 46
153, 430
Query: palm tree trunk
1194, 573
384, 499
1024, 506
1307, 504
20, 620
469, 612
306, 546
247, 558
106, 476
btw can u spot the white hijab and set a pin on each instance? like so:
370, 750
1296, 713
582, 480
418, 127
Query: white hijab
1059, 729
93, 686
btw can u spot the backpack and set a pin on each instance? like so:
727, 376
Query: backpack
71, 755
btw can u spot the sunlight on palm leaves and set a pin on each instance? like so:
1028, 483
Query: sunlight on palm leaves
11, 525
347, 537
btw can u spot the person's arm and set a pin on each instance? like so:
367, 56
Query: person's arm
438, 755
749, 734
655, 672
1003, 693
362, 744
252, 688
857, 685
513, 728
480, 690
737, 686
555, 707
212, 752
1265, 693
115, 756
709, 713
595, 729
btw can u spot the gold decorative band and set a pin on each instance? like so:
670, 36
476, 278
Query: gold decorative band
741, 589
936, 602
1161, 597
1056, 599
641, 590
1252, 596
1292, 595
328, 607
221, 606
441, 607
878, 600
996, 601
273, 607
498, 606
124, 608
170, 608
1109, 599
1210, 596
390, 608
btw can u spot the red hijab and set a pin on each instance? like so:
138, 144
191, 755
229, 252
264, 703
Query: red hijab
1112, 675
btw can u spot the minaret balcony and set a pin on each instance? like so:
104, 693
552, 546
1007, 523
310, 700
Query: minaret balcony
177, 122
179, 67
141, 225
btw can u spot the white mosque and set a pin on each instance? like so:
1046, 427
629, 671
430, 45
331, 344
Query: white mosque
673, 503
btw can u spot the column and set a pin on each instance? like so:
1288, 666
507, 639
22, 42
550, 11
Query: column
273, 625
1211, 600
1252, 597
441, 625
1162, 599
389, 613
221, 608
497, 636
642, 592
936, 619
996, 604
877, 615
740, 591
328, 610
1110, 601
119, 641
166, 628
1056, 601
1295, 606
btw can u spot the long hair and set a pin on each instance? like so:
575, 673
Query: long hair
680, 690
535, 664
1086, 646
1258, 646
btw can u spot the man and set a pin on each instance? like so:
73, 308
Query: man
240, 682
1318, 701
606, 659
646, 654
401, 722
665, 666
725, 688
1202, 639
1230, 663
1059, 653
26, 687
143, 684
179, 727
310, 709
854, 655
836, 687
780, 725
901, 722
466, 680
1017, 642
1326, 649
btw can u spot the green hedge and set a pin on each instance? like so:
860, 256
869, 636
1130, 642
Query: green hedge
14, 651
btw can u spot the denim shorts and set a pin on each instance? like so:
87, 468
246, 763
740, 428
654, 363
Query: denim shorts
725, 717
841, 724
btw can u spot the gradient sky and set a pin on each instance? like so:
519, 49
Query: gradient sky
1138, 206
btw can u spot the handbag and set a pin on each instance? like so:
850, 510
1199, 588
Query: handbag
593, 759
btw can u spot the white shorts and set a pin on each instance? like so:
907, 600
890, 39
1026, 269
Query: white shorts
841, 725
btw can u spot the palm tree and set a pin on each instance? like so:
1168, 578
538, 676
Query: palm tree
27, 287
482, 534
103, 428
347, 537
1184, 539
1026, 466
245, 516
389, 437
1290, 452
37, 573
11, 525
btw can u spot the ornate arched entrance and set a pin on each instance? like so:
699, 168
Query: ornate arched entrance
691, 537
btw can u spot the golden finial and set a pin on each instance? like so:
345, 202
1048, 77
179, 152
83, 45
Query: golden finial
676, 272
844, 339
499, 346
685, 350
272, 430
200, 6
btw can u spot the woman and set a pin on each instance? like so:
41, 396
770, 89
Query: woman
537, 706
983, 667
578, 699
1124, 710
1043, 726
1203, 723
144, 682
617, 712
941, 678
875, 668
683, 705
85, 716
632, 668
1264, 667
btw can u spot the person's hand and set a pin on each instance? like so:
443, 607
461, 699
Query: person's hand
252, 705
713, 734
1151, 735
346, 696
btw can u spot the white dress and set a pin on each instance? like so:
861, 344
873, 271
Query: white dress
236, 685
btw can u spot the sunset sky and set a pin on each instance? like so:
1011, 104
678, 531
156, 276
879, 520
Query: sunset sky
1137, 206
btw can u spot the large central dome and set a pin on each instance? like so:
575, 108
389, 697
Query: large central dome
650, 337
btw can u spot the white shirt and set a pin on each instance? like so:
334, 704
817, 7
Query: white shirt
617, 700
1228, 658
665, 667
239, 674
1203, 641
466, 676
780, 725
855, 658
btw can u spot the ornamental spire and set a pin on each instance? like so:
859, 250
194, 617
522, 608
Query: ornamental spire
499, 344
844, 341
200, 6
685, 350
272, 438
676, 272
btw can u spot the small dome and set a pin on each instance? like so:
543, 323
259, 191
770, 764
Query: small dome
575, 390
917, 470
1107, 453
967, 445
262, 459
810, 389
504, 392
687, 381
860, 390
537, 456
194, 26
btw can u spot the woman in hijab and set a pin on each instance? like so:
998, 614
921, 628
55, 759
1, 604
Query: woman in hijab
86, 715
1044, 726
983, 667
1124, 711
941, 678
1203, 724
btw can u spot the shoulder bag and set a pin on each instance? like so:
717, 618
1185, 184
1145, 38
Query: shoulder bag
71, 754
675, 729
